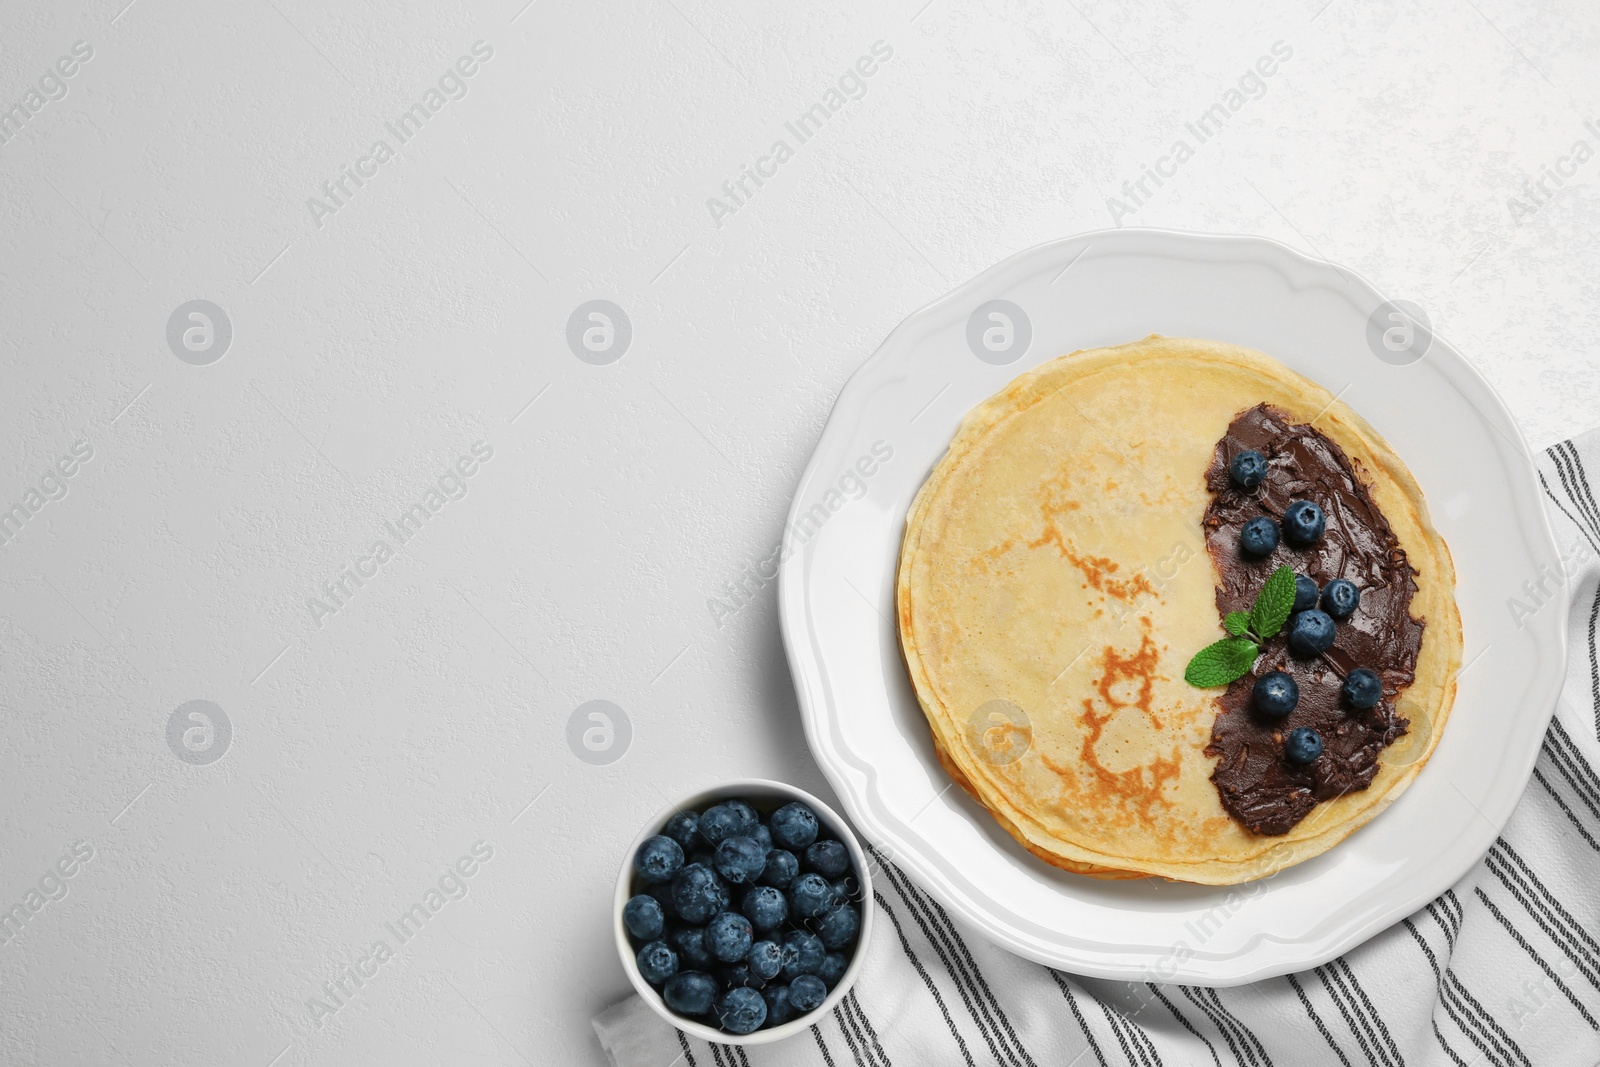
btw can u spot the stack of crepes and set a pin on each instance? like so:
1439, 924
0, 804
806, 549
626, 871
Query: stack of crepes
1054, 581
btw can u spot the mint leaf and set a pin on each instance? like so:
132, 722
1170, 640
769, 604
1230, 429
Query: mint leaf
1222, 662
1237, 623
1272, 605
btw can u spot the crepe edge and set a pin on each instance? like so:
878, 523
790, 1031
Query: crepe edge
1442, 634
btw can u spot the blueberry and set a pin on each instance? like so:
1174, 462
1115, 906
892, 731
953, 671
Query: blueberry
765, 906
684, 828
1303, 745
728, 935
807, 993
1311, 632
833, 967
1248, 469
779, 1010
765, 959
1305, 593
810, 896
741, 1010
739, 975
1275, 694
643, 917
698, 893
658, 859
731, 818
803, 953
740, 859
690, 992
794, 826
847, 888
763, 836
780, 869
828, 858
1362, 688
1303, 523
838, 926
1340, 598
689, 942
1259, 536
661, 893
657, 962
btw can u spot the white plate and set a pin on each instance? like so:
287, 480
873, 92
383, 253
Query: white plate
862, 718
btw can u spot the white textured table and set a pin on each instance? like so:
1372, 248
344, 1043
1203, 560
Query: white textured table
202, 499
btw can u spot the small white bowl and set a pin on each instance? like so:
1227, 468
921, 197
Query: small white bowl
766, 796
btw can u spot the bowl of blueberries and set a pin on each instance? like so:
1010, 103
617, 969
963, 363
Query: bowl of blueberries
740, 911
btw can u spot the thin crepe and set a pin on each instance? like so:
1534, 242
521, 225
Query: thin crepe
1054, 582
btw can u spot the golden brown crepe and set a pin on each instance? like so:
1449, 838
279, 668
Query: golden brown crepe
1054, 582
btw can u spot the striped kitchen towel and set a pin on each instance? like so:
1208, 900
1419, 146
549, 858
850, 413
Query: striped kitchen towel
1502, 970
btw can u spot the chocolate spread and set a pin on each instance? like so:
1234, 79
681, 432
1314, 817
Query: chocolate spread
1257, 785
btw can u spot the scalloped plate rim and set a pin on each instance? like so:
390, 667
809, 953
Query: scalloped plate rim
1263, 955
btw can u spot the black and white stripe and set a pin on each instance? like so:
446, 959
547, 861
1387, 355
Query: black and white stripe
1581, 510
1579, 507
1130, 1034
1185, 1023
1569, 763
1541, 905
683, 1043
859, 1034
1240, 1040
941, 934
927, 982
1464, 1008
1311, 1013
1447, 999
1522, 942
1355, 1017
1072, 1002
822, 1046
1566, 809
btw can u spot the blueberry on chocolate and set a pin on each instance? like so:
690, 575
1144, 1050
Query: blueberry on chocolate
1259, 536
1305, 593
1362, 689
1275, 694
1340, 598
1303, 745
1248, 469
1311, 632
1303, 523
